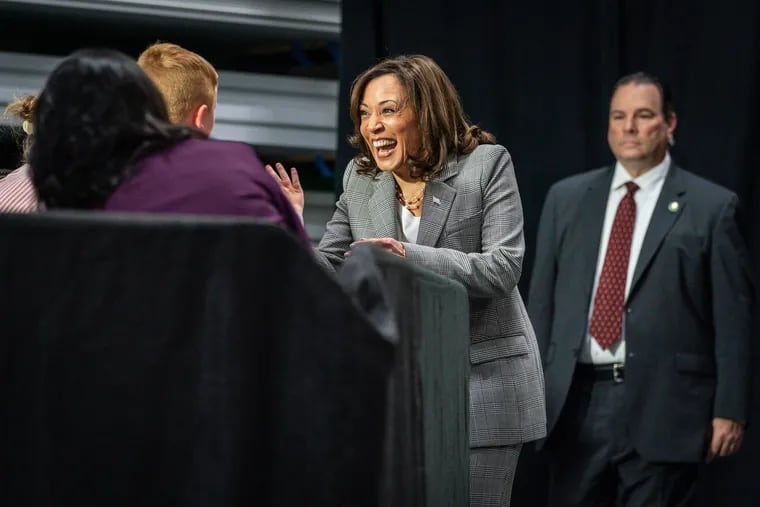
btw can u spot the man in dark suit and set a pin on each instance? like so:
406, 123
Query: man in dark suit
640, 298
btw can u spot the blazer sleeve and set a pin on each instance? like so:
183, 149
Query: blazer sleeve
337, 238
543, 277
732, 299
497, 268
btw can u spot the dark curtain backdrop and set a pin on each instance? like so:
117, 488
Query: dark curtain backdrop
539, 75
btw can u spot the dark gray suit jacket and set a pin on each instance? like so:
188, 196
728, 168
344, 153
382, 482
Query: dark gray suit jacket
471, 230
687, 316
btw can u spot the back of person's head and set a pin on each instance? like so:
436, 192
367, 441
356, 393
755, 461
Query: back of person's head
187, 81
442, 122
16, 142
97, 115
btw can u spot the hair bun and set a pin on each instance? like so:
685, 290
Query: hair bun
23, 108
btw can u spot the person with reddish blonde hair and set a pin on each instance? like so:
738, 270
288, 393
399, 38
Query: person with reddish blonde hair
187, 81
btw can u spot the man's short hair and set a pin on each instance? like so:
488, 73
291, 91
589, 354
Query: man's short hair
640, 78
185, 79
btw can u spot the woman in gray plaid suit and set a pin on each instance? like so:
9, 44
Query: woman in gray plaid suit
429, 187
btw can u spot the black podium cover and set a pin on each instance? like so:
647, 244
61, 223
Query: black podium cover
181, 361
426, 460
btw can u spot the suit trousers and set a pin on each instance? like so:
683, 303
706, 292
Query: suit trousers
492, 473
592, 461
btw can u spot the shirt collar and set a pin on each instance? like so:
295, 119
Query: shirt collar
648, 179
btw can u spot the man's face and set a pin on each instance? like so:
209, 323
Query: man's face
638, 131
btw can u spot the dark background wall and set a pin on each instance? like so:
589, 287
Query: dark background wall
539, 75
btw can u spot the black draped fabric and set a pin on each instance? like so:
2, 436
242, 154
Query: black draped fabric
177, 361
539, 75
426, 456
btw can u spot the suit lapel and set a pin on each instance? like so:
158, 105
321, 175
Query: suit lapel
382, 206
590, 220
666, 212
436, 205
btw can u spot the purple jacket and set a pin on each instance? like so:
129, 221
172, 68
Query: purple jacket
206, 177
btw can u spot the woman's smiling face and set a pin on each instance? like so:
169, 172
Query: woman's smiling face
388, 124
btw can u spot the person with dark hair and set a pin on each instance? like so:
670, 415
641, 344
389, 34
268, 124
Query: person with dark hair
641, 297
16, 190
438, 191
103, 140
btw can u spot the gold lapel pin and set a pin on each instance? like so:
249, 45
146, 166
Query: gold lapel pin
673, 206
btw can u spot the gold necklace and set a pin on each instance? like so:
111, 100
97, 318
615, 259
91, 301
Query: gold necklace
412, 204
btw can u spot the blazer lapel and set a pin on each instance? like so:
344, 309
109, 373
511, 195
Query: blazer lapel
439, 197
590, 220
382, 206
666, 212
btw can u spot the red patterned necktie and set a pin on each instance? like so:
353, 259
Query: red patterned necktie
607, 318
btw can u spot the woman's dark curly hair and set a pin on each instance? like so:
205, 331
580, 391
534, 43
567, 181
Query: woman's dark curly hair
97, 115
443, 126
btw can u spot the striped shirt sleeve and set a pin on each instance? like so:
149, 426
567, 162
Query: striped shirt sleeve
17, 193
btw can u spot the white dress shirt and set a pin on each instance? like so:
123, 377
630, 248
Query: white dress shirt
650, 185
410, 225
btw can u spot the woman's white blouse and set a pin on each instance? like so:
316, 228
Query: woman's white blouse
410, 225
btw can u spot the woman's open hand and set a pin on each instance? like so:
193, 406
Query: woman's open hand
290, 185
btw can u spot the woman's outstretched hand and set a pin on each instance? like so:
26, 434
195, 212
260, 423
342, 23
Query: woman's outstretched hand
290, 185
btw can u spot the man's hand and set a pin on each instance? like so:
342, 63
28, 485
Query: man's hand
389, 244
727, 436
290, 185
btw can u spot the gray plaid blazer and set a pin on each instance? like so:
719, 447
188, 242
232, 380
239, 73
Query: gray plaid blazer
471, 230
